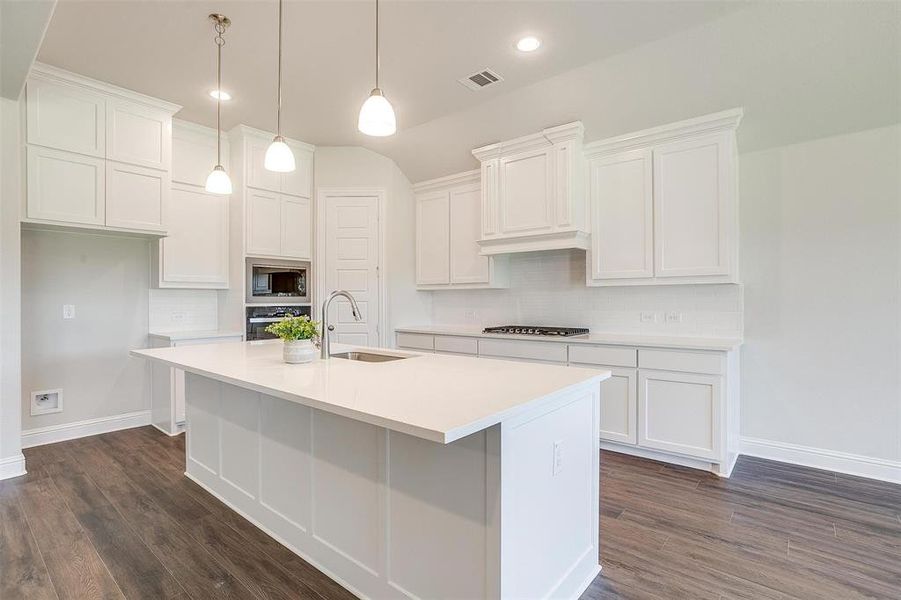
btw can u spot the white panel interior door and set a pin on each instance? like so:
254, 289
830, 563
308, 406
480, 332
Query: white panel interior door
691, 202
297, 222
196, 250
466, 264
264, 223
680, 412
623, 216
352, 264
432, 239
65, 187
66, 117
136, 197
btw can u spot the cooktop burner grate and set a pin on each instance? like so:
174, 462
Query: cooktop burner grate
536, 330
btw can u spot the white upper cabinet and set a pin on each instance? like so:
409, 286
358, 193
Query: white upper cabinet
195, 254
693, 204
278, 207
66, 117
433, 238
449, 221
622, 204
98, 156
297, 224
139, 135
664, 204
532, 193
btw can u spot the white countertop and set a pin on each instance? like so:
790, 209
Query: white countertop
174, 336
617, 339
436, 397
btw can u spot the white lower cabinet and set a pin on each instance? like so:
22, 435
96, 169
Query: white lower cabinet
680, 412
669, 404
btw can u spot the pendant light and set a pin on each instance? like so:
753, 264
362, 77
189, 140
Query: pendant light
377, 115
218, 181
279, 157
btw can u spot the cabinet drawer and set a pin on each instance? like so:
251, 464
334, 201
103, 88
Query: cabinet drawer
418, 341
614, 356
458, 345
713, 363
545, 351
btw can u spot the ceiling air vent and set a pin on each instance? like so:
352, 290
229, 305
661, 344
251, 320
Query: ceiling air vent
481, 79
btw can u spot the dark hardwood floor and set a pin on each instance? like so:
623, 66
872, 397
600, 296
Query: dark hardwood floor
112, 516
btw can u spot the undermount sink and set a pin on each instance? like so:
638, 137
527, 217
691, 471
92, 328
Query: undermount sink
367, 356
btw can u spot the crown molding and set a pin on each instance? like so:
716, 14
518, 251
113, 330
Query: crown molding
448, 181
535, 141
53, 74
247, 130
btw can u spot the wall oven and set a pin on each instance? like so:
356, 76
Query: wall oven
261, 317
278, 281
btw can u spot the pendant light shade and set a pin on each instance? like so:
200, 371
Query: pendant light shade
218, 181
377, 115
279, 157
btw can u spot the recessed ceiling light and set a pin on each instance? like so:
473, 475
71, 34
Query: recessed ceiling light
529, 43
225, 95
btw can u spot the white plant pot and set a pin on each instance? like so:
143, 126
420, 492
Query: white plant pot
299, 351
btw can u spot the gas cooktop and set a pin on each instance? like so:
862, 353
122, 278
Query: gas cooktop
535, 330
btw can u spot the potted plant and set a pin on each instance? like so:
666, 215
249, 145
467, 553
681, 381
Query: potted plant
298, 334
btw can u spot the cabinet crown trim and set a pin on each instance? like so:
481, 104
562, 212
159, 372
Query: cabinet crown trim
247, 130
544, 138
52, 74
448, 181
726, 120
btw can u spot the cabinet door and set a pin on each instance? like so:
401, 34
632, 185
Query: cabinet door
619, 406
526, 193
299, 182
490, 192
65, 187
622, 229
196, 249
194, 155
432, 238
297, 226
680, 412
66, 117
136, 197
693, 196
264, 223
466, 265
257, 175
138, 135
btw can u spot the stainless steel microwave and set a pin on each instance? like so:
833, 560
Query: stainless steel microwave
277, 281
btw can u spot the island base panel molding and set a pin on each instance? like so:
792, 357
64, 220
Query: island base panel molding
508, 512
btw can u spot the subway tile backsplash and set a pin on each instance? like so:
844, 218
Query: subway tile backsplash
548, 288
183, 310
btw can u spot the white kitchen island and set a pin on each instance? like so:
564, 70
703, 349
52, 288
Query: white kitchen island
427, 477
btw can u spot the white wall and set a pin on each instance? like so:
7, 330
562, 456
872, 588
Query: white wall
548, 288
10, 325
821, 263
107, 279
355, 167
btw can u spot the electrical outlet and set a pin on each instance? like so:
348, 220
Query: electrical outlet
178, 316
68, 311
470, 314
648, 317
558, 457
673, 317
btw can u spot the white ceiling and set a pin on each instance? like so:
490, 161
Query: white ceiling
800, 69
165, 49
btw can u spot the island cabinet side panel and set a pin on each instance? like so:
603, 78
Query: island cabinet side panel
549, 497
383, 513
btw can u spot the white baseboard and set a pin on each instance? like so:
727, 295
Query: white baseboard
12, 466
70, 431
818, 458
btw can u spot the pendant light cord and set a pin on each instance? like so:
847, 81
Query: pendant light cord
278, 121
220, 41
376, 44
